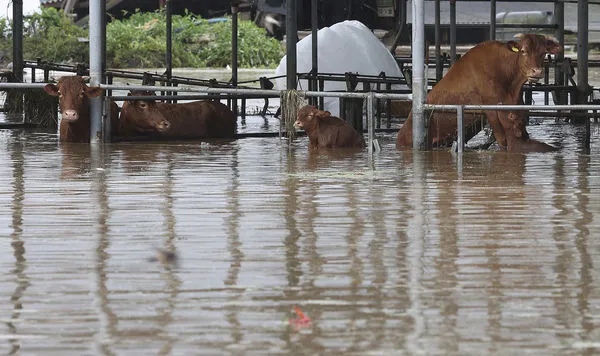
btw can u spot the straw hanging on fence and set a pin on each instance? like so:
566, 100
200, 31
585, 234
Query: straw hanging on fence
290, 103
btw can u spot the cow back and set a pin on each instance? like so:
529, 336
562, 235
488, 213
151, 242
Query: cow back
333, 132
199, 119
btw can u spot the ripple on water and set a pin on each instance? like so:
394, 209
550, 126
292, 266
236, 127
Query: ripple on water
411, 252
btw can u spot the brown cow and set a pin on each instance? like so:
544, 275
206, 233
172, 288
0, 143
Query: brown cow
198, 119
140, 117
74, 107
490, 73
326, 131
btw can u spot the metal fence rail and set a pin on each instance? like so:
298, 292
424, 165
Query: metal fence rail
368, 96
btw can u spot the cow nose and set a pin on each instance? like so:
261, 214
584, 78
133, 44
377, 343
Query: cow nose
536, 73
297, 124
163, 125
70, 115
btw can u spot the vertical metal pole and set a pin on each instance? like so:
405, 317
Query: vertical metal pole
582, 63
18, 39
559, 79
169, 43
370, 122
97, 65
492, 19
418, 82
582, 51
168, 54
587, 139
291, 33
460, 122
234, 53
439, 66
452, 31
314, 20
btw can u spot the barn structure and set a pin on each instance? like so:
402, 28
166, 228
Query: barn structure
403, 19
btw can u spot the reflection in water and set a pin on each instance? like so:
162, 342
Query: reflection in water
410, 253
18, 245
234, 246
108, 319
586, 281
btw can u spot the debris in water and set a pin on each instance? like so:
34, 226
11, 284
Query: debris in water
165, 257
302, 321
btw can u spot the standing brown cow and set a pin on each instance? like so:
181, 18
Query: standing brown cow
74, 104
490, 73
198, 119
326, 131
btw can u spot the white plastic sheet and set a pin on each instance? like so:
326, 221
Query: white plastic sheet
347, 46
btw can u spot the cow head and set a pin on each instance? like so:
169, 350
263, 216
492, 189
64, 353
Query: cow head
142, 116
73, 96
307, 115
532, 50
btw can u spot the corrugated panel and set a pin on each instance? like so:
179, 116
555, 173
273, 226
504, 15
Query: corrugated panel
46, 2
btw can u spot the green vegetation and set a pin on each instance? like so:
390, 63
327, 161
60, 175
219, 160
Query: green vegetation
49, 35
139, 41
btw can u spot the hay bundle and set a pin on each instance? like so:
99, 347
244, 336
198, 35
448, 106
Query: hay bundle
39, 108
291, 101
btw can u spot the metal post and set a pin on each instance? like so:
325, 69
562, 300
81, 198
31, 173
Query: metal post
492, 19
97, 65
370, 122
169, 43
582, 64
418, 82
234, 53
291, 34
168, 54
582, 51
587, 140
460, 122
314, 20
559, 79
439, 65
452, 31
18, 39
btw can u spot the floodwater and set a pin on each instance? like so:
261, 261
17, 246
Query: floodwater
407, 253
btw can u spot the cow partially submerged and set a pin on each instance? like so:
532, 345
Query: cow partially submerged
74, 104
326, 131
490, 73
198, 119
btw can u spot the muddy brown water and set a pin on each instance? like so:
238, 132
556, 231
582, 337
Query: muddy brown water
405, 254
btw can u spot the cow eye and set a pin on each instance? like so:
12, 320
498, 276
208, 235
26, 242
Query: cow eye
143, 105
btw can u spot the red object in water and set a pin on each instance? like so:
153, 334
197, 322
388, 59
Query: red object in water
302, 321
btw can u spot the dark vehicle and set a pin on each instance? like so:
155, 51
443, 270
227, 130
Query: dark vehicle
270, 14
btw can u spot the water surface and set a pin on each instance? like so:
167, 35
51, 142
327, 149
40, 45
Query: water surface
408, 253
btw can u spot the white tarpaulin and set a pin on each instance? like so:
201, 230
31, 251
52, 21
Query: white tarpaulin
347, 46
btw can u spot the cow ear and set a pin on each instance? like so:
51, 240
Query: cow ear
93, 92
513, 46
322, 114
552, 45
51, 89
